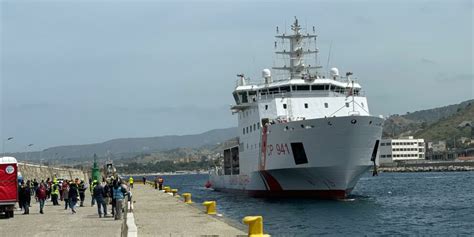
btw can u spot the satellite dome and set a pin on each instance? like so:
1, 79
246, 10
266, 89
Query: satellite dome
266, 73
334, 72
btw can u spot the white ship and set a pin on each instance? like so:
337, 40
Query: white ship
308, 133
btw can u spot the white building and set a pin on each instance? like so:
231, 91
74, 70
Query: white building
391, 150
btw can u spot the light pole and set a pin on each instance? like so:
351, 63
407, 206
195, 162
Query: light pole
6, 140
26, 151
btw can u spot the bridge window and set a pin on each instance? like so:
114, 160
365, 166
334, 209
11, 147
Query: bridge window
273, 90
266, 107
244, 97
236, 98
326, 105
284, 89
347, 105
318, 87
284, 106
305, 105
254, 127
302, 88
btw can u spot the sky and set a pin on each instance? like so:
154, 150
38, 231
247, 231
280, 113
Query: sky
79, 72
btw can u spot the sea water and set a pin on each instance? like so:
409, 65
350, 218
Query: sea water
438, 203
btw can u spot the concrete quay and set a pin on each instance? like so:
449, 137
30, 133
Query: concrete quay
59, 222
160, 214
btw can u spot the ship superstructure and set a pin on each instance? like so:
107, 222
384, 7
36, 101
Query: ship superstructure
304, 133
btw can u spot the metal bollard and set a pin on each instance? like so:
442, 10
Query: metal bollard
175, 192
255, 224
187, 198
210, 207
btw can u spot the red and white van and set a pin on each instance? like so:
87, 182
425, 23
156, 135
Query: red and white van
8, 185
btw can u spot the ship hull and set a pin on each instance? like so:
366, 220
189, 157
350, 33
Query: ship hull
337, 152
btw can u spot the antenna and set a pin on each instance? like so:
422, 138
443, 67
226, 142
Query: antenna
329, 56
278, 32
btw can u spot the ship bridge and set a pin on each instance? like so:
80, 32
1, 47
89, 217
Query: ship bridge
301, 90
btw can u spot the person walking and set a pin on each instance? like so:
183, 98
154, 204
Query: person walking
160, 183
41, 196
82, 189
98, 194
144, 180
119, 195
55, 193
66, 194
35, 186
25, 197
30, 188
73, 193
112, 198
130, 181
91, 189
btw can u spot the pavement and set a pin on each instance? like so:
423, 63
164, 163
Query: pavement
160, 214
59, 222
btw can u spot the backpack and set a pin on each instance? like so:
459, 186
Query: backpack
41, 192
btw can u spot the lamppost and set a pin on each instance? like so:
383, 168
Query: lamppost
26, 151
6, 140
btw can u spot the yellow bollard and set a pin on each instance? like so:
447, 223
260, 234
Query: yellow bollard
210, 207
175, 192
255, 224
187, 198
167, 189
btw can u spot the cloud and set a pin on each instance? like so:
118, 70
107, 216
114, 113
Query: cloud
363, 20
446, 78
428, 61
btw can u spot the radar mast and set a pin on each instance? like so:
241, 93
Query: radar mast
296, 53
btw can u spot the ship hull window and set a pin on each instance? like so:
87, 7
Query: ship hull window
235, 160
227, 162
299, 154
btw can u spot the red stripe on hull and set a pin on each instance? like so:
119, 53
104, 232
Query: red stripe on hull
319, 194
273, 184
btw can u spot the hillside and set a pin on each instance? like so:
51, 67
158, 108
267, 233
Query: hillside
418, 123
128, 147
448, 128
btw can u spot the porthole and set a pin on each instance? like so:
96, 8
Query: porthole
329, 123
370, 122
302, 125
353, 121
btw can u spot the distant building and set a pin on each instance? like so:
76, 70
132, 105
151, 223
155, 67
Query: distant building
391, 150
439, 146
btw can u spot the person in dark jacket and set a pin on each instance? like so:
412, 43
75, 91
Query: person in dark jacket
99, 194
25, 197
41, 196
73, 193
82, 189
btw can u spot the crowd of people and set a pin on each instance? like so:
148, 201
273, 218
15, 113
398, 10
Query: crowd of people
111, 191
